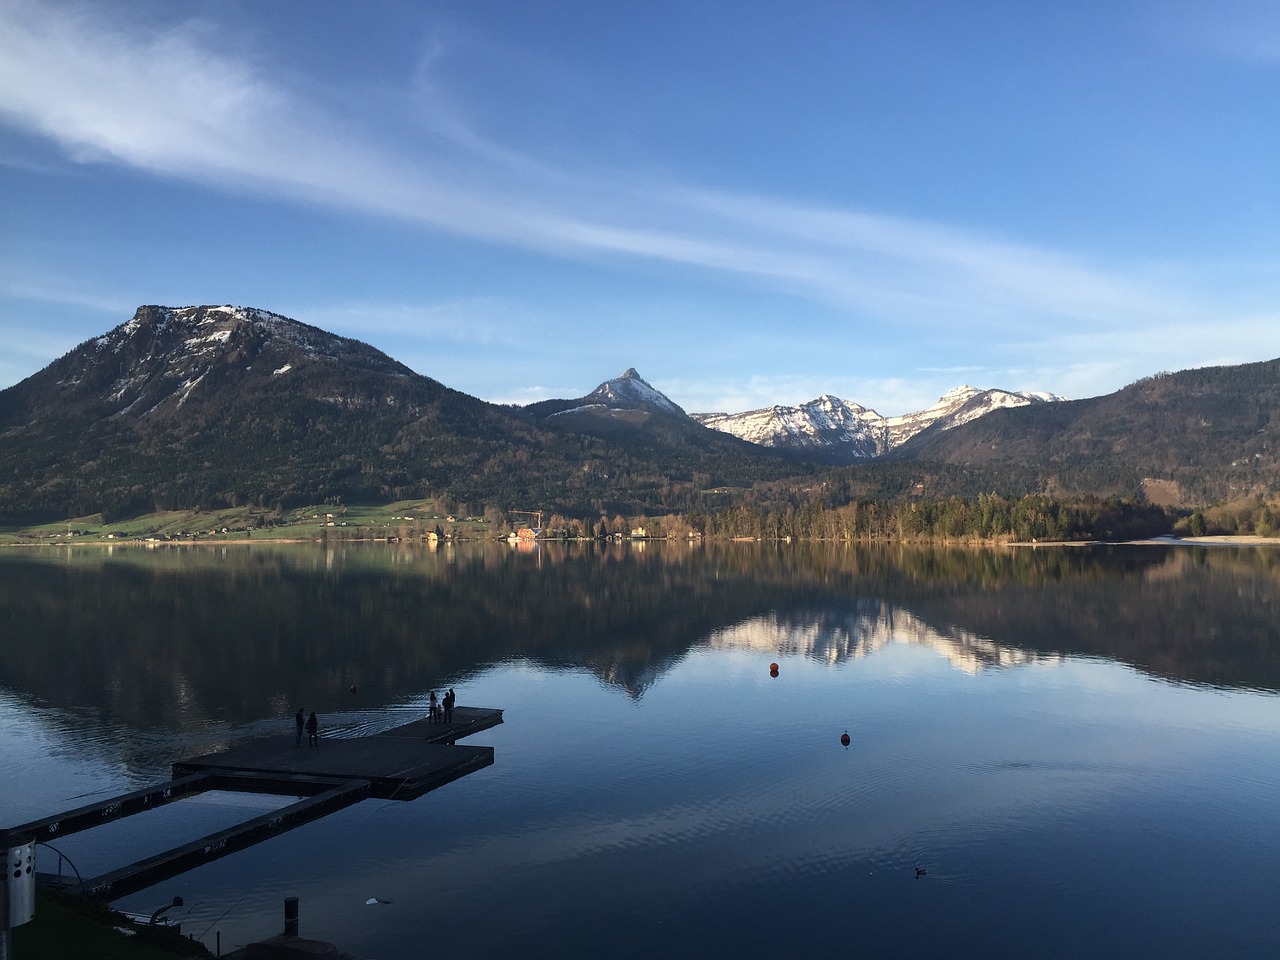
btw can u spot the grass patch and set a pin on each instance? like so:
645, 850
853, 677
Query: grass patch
404, 519
66, 926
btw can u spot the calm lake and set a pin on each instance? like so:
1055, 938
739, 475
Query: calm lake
1079, 746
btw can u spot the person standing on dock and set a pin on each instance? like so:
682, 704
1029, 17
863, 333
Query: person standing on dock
313, 728
448, 706
297, 741
433, 709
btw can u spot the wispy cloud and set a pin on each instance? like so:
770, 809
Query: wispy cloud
1072, 363
37, 287
875, 260
479, 321
176, 103
28, 347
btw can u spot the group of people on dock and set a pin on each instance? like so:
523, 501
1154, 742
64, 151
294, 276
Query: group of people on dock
440, 710
312, 726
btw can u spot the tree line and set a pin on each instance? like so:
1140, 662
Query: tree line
986, 517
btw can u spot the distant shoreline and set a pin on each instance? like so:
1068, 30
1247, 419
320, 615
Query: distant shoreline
1227, 540
1222, 540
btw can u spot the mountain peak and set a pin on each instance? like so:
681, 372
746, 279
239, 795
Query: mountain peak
827, 429
631, 390
165, 357
838, 431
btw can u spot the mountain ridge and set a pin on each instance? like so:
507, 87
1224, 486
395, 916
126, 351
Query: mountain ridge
203, 405
188, 407
1214, 432
840, 432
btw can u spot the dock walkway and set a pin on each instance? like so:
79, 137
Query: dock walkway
398, 764
401, 764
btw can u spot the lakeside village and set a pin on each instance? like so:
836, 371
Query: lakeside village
393, 523
985, 519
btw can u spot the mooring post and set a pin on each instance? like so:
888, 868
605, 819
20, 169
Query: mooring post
18, 888
290, 916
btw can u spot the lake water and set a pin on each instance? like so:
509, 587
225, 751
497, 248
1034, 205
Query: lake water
1080, 747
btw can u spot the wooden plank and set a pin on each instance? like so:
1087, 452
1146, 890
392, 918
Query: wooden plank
466, 721
398, 764
397, 770
400, 768
460, 762
142, 874
124, 805
273, 784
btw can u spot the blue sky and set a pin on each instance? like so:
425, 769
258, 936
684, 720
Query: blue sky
749, 202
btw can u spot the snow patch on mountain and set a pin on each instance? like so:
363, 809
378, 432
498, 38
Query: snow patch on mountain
189, 386
826, 423
163, 354
210, 341
959, 406
584, 408
841, 431
630, 390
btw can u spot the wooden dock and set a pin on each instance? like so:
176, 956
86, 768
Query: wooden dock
398, 764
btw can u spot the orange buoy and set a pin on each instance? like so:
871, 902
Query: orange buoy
844, 739
773, 669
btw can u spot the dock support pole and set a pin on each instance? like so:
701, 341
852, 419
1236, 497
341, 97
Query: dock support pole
290, 916
17, 886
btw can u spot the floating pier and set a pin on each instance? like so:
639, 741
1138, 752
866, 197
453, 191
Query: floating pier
398, 764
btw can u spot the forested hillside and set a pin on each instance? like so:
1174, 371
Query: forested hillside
1213, 431
206, 407
210, 406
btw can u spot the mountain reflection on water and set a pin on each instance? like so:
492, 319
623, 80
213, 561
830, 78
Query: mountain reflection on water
159, 637
867, 626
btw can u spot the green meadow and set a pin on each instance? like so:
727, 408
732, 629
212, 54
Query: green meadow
406, 519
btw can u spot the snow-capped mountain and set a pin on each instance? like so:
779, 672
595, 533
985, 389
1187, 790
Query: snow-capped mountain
959, 406
838, 431
184, 407
627, 392
828, 427
217, 405
625, 399
166, 358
